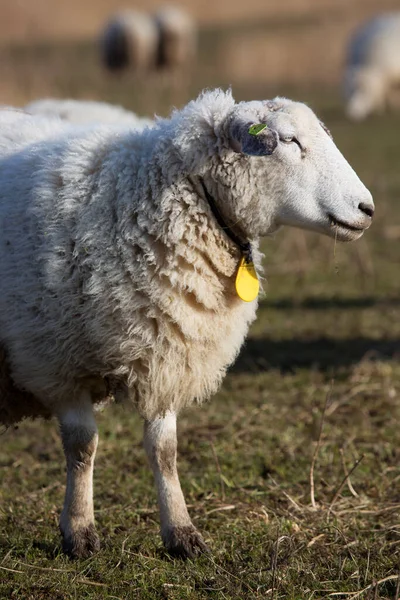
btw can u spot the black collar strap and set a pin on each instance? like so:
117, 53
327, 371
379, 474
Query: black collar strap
245, 247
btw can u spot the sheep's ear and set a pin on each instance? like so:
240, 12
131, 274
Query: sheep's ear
254, 139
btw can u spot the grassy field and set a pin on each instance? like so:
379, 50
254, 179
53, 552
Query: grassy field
313, 396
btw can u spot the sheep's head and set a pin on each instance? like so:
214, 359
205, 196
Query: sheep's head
300, 179
292, 173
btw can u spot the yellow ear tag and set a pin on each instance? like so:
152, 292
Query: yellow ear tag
247, 284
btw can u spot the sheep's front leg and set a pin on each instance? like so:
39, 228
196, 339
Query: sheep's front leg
179, 535
79, 437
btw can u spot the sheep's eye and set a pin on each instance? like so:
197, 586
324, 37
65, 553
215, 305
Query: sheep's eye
291, 140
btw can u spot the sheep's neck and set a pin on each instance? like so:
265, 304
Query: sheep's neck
246, 284
245, 247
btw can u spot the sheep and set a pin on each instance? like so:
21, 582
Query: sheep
373, 66
177, 37
123, 255
85, 111
129, 39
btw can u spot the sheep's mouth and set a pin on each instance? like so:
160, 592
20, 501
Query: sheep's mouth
342, 225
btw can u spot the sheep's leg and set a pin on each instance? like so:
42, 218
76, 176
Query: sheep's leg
79, 437
179, 535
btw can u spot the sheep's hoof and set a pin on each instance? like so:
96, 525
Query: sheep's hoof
82, 543
184, 542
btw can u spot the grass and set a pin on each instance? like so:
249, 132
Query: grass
329, 315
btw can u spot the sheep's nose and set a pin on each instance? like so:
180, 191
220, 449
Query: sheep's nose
367, 209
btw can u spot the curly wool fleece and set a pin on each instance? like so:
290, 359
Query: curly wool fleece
114, 271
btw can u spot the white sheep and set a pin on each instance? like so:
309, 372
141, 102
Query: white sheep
86, 111
177, 37
119, 256
373, 66
130, 39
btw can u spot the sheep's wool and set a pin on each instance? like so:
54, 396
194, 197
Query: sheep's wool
115, 276
86, 111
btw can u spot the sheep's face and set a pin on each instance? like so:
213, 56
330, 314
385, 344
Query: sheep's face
305, 181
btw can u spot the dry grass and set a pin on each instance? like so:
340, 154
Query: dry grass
267, 539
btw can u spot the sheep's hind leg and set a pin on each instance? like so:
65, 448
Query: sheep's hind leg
179, 535
79, 436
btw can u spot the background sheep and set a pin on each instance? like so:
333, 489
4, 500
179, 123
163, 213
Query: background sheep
177, 37
373, 66
85, 111
129, 39
124, 280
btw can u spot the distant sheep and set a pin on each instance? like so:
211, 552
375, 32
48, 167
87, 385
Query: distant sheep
85, 111
119, 252
130, 39
177, 37
373, 66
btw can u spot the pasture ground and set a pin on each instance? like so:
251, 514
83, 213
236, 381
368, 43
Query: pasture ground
328, 327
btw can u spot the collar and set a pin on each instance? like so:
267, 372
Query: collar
244, 247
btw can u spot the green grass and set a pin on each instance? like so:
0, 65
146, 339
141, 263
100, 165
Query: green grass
329, 314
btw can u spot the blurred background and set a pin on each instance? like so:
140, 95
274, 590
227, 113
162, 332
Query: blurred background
259, 47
